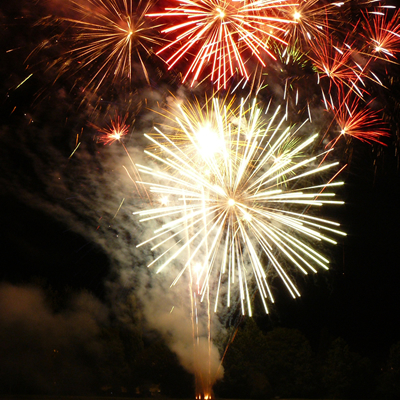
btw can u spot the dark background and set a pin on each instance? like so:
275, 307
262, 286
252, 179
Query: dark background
357, 300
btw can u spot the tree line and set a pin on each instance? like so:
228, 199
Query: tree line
282, 364
66, 352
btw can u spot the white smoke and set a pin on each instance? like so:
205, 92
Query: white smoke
85, 192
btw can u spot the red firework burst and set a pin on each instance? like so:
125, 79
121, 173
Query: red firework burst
221, 31
337, 62
113, 132
357, 120
383, 34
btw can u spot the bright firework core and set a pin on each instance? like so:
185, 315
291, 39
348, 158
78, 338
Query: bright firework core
116, 135
208, 141
220, 13
227, 9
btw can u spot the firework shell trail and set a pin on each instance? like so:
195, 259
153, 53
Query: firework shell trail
242, 202
220, 35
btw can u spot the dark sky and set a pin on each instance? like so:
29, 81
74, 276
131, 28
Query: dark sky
57, 213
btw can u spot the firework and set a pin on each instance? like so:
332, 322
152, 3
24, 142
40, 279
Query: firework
356, 120
383, 34
109, 38
114, 132
230, 211
337, 62
220, 32
310, 19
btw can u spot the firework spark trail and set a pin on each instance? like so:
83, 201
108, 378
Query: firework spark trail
221, 31
236, 204
202, 383
204, 380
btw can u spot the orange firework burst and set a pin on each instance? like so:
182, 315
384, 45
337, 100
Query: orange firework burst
356, 120
110, 37
383, 34
221, 31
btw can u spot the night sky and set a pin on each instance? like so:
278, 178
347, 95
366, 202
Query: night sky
57, 228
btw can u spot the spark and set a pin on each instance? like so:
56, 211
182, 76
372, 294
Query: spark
120, 205
24, 81
115, 132
76, 148
242, 222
